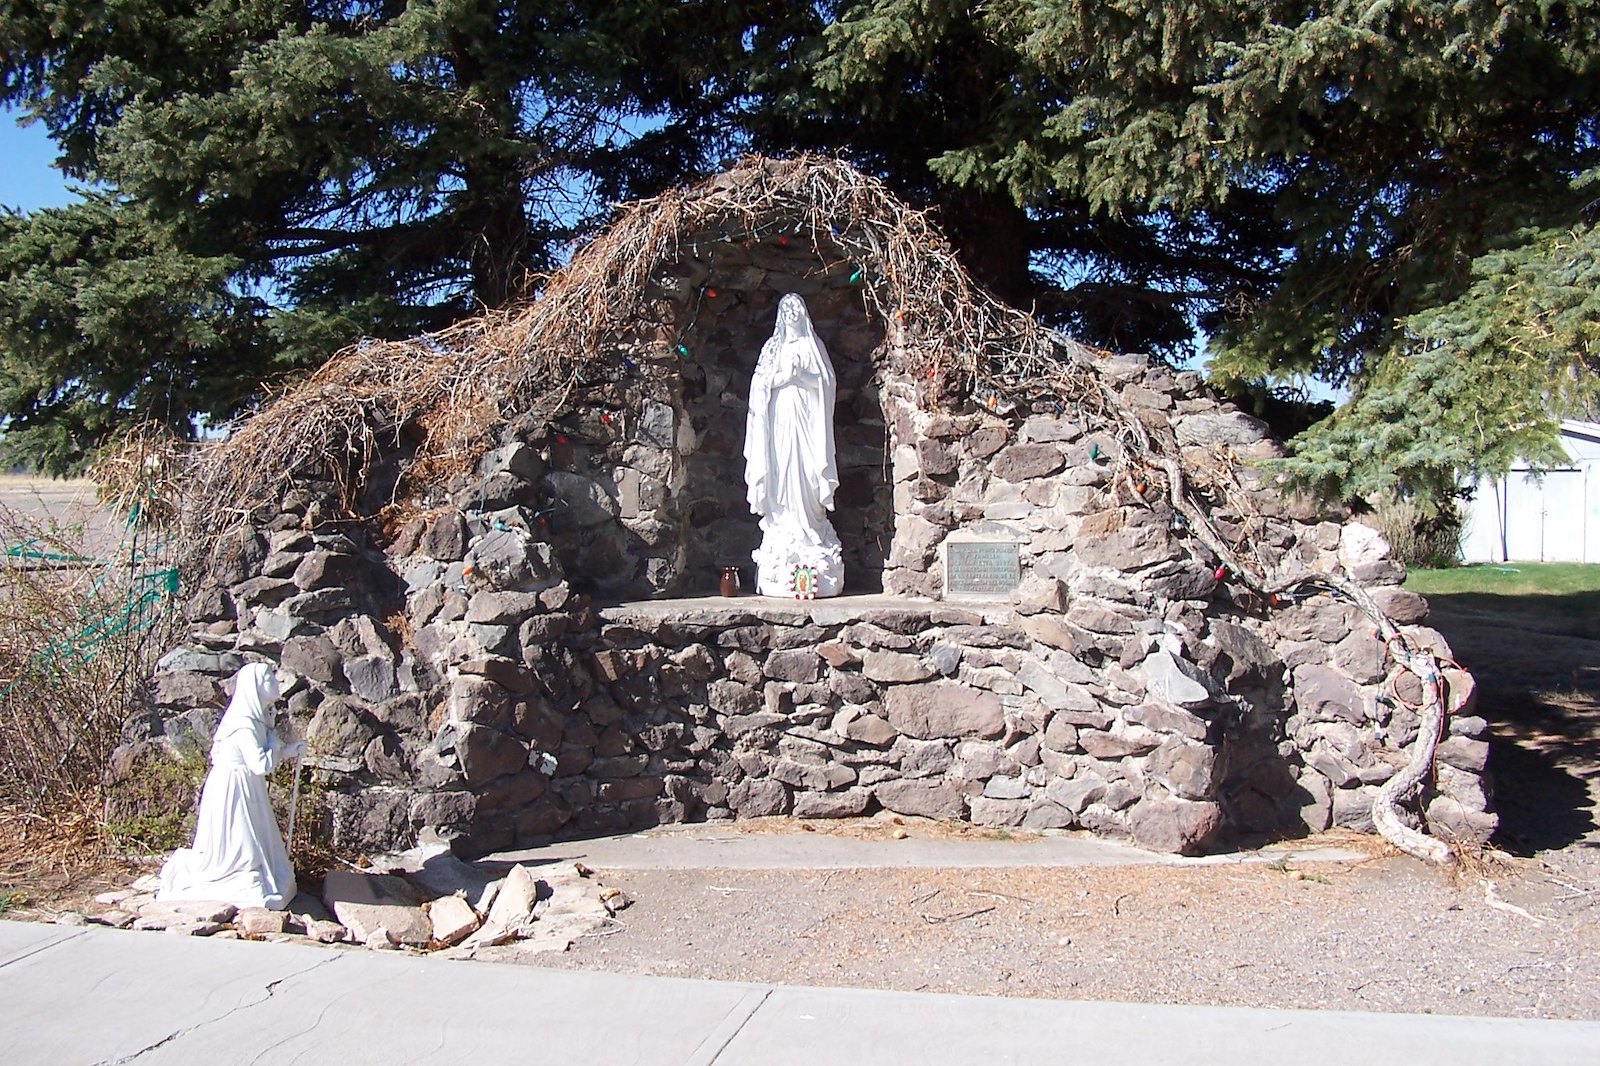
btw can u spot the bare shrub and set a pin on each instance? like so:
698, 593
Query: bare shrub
80, 629
1421, 537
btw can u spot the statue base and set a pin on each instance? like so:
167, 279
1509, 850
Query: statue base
792, 569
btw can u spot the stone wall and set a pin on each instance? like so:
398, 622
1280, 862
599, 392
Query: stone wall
524, 612
640, 483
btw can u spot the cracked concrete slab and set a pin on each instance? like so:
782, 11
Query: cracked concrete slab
103, 997
843, 1027
18, 940
393, 1008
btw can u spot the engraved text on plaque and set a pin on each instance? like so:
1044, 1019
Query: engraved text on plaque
981, 567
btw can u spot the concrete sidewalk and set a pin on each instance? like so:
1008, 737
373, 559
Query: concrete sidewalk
92, 995
785, 847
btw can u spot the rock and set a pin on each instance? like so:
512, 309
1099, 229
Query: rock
326, 932
1052, 428
380, 939
1127, 549
1167, 720
838, 654
1185, 768
1060, 734
1007, 788
946, 658
437, 872
581, 502
502, 607
1361, 545
1449, 819
452, 918
367, 904
115, 918
1352, 808
1179, 827
325, 569
1464, 753
923, 797
195, 928
935, 457
259, 921
1403, 607
446, 537
1024, 462
869, 729
340, 728
1315, 800
194, 660
1117, 745
1327, 622
311, 657
758, 797
893, 666
1051, 690
1233, 427
798, 664
998, 812
846, 804
1322, 694
1038, 594
939, 709
1047, 815
822, 778
479, 701
730, 697
184, 690
507, 673
923, 758
1075, 793
164, 913
264, 591
1174, 680
915, 542
509, 559
1362, 656
1099, 618
372, 678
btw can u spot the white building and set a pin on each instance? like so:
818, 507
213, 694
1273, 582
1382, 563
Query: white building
1553, 517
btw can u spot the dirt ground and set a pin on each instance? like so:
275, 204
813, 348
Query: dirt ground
1515, 934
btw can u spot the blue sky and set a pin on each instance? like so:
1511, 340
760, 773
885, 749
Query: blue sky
27, 180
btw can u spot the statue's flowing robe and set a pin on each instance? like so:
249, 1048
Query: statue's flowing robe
790, 468
238, 854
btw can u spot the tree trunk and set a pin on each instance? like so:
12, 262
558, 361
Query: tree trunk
992, 238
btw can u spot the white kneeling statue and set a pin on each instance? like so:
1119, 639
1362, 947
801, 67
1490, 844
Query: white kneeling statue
790, 470
238, 855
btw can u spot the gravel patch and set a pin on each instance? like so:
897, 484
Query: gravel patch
1382, 934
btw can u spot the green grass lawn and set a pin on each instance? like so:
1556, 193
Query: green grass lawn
1508, 579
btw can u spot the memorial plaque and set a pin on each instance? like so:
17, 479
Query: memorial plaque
980, 567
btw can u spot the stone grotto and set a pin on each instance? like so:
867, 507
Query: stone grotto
490, 572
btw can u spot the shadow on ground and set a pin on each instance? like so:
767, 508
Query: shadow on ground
1537, 661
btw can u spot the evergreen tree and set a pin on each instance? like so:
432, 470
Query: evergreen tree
1384, 195
293, 176
1425, 168
938, 97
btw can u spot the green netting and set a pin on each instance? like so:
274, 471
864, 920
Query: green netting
138, 611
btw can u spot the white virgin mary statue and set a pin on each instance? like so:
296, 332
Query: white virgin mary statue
238, 855
789, 469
